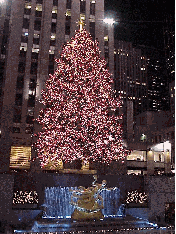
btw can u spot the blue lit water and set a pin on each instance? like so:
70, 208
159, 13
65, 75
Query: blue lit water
57, 202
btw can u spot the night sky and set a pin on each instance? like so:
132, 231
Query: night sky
142, 21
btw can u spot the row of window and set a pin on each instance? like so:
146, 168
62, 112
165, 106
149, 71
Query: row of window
33, 69
53, 38
167, 136
3, 49
35, 52
21, 72
21, 69
67, 28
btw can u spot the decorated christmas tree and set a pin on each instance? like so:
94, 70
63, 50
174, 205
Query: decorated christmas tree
80, 115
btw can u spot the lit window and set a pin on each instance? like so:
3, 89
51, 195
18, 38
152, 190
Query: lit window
67, 38
35, 46
38, 7
52, 47
23, 46
25, 34
82, 17
53, 36
25, 30
35, 50
51, 51
2, 56
31, 92
143, 137
68, 12
26, 16
54, 20
20, 157
92, 18
54, 10
36, 35
30, 111
28, 5
106, 38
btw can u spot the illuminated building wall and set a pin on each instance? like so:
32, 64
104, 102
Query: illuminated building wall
153, 145
20, 157
130, 75
158, 98
169, 45
172, 97
32, 33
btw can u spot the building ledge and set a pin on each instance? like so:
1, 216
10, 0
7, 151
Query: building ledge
73, 171
143, 164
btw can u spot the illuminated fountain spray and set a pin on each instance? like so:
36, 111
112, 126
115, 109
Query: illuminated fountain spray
96, 201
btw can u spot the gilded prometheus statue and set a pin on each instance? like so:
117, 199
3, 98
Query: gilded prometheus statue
89, 202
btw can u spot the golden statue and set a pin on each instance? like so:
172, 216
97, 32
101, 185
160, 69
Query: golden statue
87, 206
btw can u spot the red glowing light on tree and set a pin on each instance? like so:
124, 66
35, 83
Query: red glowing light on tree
79, 119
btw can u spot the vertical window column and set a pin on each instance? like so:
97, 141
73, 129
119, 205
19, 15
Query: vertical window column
82, 10
52, 38
67, 24
68, 4
92, 19
106, 48
21, 69
33, 69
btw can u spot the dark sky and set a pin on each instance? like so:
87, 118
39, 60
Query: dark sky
142, 21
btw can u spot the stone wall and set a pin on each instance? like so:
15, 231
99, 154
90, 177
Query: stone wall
160, 190
6, 195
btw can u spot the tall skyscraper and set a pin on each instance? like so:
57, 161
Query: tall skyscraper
131, 75
158, 98
32, 35
169, 46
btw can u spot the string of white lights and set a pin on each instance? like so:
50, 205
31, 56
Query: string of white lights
136, 197
25, 197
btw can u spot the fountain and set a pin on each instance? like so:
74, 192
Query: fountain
94, 207
60, 202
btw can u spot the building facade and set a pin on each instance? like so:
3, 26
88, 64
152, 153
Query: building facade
153, 143
172, 97
32, 35
130, 75
158, 84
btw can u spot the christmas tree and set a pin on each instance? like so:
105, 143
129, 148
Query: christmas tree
79, 119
